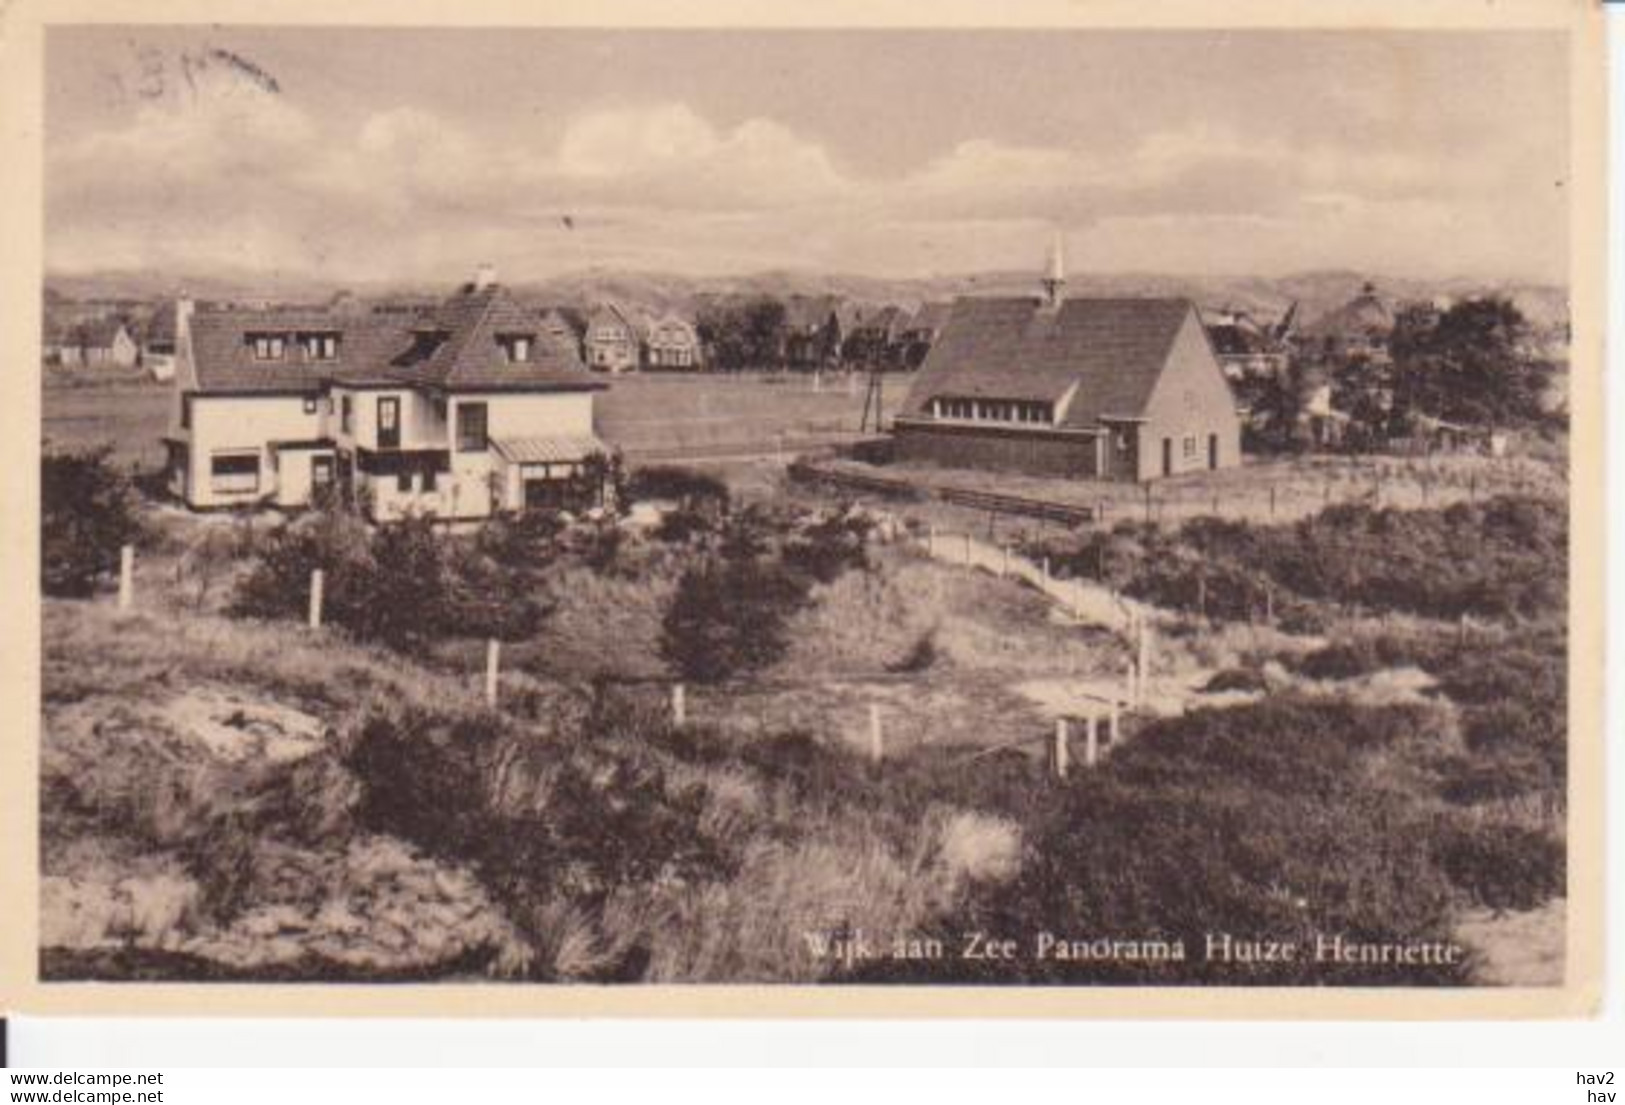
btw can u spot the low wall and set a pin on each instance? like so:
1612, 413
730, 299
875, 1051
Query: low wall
1033, 451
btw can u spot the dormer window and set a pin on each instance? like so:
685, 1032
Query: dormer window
321, 345
516, 348
268, 347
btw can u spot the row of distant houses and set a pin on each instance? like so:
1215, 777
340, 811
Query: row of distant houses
819, 332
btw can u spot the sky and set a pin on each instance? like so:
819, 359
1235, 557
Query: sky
412, 155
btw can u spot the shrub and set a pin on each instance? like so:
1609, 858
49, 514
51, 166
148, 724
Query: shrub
673, 483
1502, 866
1500, 558
729, 616
404, 584
830, 546
88, 511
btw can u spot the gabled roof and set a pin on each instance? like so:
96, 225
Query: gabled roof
673, 319
887, 320
930, 316
1232, 340
453, 346
1366, 315
805, 313
460, 347
611, 314
161, 328
98, 333
1111, 350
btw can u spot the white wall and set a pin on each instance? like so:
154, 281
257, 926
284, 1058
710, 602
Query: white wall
244, 424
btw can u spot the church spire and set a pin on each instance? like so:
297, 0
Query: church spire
1055, 273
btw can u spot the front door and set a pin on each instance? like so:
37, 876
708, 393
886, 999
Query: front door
1167, 456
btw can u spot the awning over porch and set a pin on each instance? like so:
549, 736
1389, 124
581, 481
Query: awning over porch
549, 450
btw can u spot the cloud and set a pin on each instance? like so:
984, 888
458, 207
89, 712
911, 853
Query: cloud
237, 175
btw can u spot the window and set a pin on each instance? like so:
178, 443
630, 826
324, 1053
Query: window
389, 422
471, 428
321, 471
186, 412
234, 473
403, 482
310, 404
320, 345
515, 347
429, 480
268, 347
1190, 446
346, 414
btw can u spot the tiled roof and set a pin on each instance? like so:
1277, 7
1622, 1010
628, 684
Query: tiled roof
884, 320
97, 333
805, 313
1113, 350
454, 346
610, 314
162, 326
549, 450
1231, 340
224, 359
1365, 315
930, 317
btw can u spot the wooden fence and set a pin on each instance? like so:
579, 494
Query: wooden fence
995, 503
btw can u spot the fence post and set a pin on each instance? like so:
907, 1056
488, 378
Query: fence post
316, 578
493, 661
877, 745
1269, 604
679, 705
1461, 631
1113, 723
1272, 500
1148, 503
1060, 755
1046, 569
1144, 665
1091, 741
126, 577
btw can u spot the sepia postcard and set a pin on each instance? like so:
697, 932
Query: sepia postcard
1029, 509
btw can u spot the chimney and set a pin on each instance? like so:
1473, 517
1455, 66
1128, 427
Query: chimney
184, 309
1055, 274
484, 276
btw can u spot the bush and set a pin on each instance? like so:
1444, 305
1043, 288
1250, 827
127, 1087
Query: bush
830, 546
1506, 557
673, 483
88, 511
404, 584
1502, 866
728, 617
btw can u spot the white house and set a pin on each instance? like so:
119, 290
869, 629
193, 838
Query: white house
459, 412
673, 343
